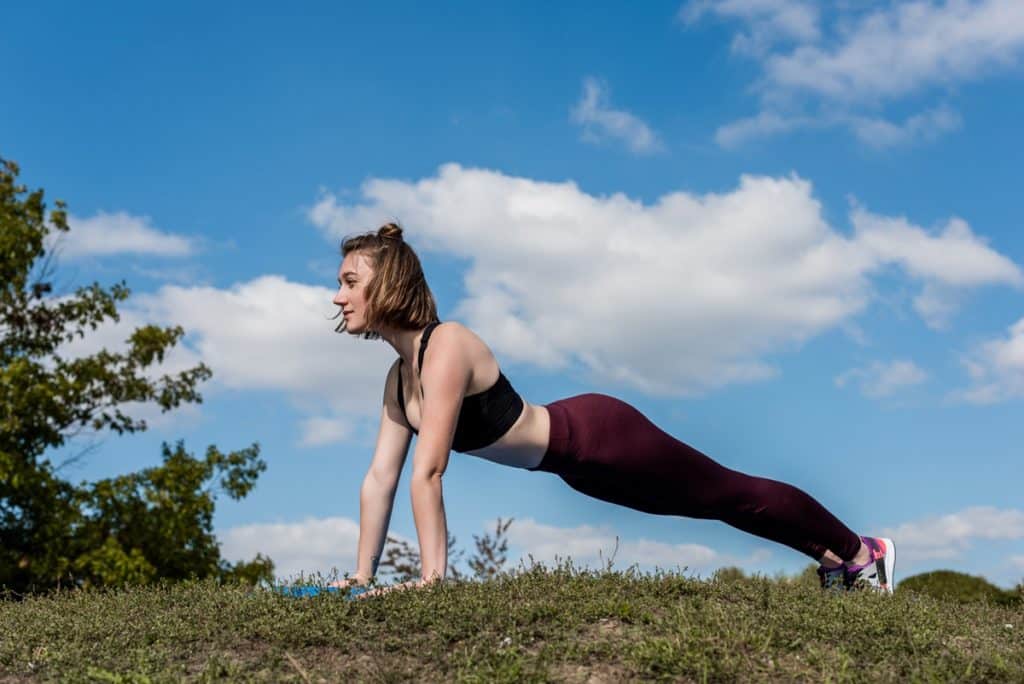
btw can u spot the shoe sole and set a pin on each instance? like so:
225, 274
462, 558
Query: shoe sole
890, 564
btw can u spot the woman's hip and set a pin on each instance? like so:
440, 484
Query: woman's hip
593, 435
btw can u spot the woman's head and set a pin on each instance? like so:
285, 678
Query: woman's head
381, 285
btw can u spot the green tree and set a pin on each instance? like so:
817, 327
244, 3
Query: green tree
134, 528
731, 573
959, 586
157, 523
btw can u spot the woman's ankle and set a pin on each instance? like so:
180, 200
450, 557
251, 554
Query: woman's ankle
830, 560
863, 555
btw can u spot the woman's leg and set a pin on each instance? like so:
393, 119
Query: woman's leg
614, 453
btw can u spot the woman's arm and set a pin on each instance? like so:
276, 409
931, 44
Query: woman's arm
445, 376
377, 495
431, 525
376, 501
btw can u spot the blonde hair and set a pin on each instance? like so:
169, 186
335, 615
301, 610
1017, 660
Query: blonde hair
398, 295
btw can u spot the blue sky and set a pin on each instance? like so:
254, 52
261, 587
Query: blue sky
788, 232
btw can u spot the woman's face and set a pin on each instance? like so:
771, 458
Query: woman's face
356, 270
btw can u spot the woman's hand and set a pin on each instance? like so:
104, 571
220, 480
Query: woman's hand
411, 584
360, 581
352, 581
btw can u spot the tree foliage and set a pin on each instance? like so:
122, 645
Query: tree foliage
961, 587
135, 528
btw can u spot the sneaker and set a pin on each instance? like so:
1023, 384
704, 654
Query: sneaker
877, 573
832, 579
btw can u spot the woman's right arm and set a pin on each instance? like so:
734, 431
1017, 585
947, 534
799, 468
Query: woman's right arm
377, 495
375, 504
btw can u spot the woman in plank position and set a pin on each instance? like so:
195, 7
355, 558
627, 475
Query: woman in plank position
446, 386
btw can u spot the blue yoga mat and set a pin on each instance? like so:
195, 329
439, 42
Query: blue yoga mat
307, 590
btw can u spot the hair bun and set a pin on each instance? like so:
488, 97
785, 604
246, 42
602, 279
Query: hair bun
390, 231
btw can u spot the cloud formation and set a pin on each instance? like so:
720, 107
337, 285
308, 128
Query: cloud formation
119, 233
903, 48
948, 263
767, 22
924, 126
673, 298
601, 122
949, 536
873, 131
996, 369
840, 66
318, 431
592, 547
314, 545
322, 544
268, 333
882, 379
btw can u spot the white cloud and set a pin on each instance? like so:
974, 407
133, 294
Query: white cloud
948, 536
882, 379
599, 121
948, 262
119, 233
842, 72
592, 547
1017, 562
272, 333
955, 256
763, 125
318, 431
180, 274
906, 47
769, 21
684, 295
323, 544
315, 545
688, 293
268, 333
925, 126
937, 304
871, 130
996, 368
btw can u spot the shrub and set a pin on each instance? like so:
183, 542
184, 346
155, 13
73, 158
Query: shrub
958, 586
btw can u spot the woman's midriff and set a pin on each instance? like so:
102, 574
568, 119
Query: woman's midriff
525, 443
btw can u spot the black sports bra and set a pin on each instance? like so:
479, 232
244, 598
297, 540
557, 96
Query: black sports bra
484, 416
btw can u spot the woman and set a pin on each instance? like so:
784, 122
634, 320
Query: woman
447, 387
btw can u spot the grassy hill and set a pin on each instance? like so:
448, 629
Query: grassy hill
541, 624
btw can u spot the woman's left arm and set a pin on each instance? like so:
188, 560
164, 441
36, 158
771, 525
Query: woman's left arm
444, 376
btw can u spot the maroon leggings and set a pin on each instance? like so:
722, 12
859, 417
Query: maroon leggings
607, 449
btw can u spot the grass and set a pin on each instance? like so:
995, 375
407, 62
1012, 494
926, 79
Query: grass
539, 624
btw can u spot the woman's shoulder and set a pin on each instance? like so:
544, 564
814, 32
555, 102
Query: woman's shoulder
453, 332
